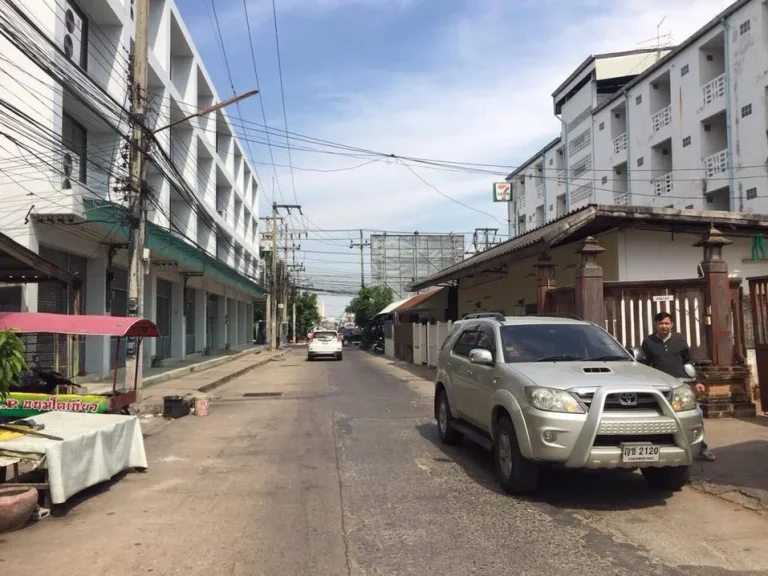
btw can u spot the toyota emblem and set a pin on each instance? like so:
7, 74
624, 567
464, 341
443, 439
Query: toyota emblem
628, 399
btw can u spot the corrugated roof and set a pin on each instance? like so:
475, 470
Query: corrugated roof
594, 219
411, 303
391, 308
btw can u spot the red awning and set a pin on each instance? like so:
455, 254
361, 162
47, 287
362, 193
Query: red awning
79, 325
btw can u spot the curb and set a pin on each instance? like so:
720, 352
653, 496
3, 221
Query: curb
157, 406
177, 372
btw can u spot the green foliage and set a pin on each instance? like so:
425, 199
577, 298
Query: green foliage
368, 303
307, 316
11, 360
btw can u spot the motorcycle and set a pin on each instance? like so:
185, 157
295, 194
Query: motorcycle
378, 346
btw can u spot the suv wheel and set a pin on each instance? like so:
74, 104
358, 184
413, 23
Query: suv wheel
516, 474
668, 478
448, 434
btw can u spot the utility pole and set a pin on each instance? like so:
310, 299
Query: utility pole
273, 283
274, 287
284, 322
297, 268
136, 197
362, 244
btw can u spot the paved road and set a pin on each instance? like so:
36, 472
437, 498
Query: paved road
343, 474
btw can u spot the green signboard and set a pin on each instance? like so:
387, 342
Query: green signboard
22, 405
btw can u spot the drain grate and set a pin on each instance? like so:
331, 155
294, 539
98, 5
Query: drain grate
263, 394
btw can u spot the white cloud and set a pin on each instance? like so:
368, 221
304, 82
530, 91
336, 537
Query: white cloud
485, 98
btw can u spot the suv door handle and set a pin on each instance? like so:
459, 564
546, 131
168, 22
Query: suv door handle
469, 372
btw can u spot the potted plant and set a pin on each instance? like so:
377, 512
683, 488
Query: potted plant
16, 503
11, 360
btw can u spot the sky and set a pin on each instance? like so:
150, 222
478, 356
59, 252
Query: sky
450, 80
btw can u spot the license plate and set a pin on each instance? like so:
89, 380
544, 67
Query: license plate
640, 453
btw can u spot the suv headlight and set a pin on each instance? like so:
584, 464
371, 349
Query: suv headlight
553, 400
683, 399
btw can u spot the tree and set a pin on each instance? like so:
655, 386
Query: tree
368, 303
11, 360
307, 315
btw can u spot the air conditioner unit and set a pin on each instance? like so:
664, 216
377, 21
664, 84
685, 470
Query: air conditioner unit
73, 36
70, 169
222, 213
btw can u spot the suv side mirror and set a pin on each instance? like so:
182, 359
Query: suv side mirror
481, 356
690, 370
637, 354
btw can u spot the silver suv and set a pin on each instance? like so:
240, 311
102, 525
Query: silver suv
552, 391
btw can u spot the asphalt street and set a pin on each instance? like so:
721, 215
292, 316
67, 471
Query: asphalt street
331, 468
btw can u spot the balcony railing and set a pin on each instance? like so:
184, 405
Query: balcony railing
662, 118
663, 184
620, 198
520, 202
713, 90
540, 191
561, 177
620, 144
716, 164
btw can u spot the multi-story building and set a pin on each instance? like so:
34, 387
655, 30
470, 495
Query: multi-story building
64, 91
680, 127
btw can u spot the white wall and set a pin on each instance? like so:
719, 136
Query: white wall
651, 255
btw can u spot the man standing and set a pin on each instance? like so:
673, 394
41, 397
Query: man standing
669, 352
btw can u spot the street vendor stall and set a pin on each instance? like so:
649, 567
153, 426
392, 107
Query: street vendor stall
75, 451
21, 404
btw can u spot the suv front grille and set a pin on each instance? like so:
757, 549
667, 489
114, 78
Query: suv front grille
642, 401
615, 440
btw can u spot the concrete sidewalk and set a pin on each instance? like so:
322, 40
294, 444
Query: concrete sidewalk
204, 381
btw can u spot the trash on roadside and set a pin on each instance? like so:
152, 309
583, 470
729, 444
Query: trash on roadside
175, 407
201, 405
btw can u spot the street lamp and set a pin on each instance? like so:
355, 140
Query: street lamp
209, 109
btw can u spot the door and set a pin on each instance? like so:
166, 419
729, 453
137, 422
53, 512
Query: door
163, 315
758, 294
481, 381
459, 369
189, 320
212, 323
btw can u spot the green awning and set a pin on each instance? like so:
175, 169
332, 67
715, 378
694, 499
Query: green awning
161, 241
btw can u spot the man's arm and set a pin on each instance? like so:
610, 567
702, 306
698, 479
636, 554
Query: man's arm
646, 352
685, 350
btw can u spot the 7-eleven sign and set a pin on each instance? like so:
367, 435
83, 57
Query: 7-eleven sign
502, 192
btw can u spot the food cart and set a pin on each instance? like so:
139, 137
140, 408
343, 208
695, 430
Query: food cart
23, 405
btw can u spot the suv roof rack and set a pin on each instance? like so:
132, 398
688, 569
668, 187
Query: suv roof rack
554, 315
495, 315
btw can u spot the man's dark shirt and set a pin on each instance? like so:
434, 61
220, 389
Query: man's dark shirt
670, 356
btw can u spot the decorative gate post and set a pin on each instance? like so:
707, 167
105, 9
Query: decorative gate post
545, 280
726, 383
590, 301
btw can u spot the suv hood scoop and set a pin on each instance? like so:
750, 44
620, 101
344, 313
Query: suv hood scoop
594, 370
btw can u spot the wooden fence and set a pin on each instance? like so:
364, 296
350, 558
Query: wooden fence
631, 306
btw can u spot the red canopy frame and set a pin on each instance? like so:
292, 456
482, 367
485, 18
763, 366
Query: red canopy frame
87, 325
78, 325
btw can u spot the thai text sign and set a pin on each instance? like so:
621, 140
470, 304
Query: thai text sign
22, 405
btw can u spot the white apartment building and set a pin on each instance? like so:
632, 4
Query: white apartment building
681, 127
63, 169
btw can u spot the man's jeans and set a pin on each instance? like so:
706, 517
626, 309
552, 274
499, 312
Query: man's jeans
703, 447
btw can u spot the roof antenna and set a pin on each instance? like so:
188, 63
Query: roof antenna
658, 38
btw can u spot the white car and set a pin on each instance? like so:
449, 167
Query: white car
325, 343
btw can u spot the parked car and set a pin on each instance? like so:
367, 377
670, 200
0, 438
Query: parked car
559, 392
350, 336
325, 343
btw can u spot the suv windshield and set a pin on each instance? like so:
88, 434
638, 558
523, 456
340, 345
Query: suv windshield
325, 335
559, 342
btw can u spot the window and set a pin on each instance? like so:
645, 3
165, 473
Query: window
640, 161
601, 126
746, 110
486, 340
684, 70
686, 141
744, 28
466, 342
605, 180
551, 161
74, 138
537, 342
639, 99
751, 193
689, 207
